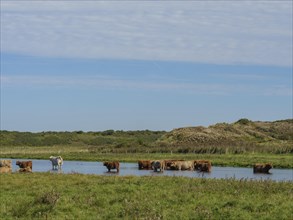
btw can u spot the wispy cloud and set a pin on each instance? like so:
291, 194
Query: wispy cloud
221, 32
110, 83
242, 76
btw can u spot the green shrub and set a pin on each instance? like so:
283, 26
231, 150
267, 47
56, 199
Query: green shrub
243, 121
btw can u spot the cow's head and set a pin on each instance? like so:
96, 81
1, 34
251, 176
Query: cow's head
157, 164
268, 166
172, 164
167, 162
18, 163
106, 163
204, 166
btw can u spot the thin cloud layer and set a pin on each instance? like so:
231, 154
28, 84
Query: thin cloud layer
108, 83
243, 32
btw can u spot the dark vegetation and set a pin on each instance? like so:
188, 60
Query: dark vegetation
243, 136
105, 141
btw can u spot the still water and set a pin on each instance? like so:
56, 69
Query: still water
127, 169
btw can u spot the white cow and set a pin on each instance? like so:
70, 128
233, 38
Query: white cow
57, 162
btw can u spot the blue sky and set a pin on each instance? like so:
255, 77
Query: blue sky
131, 66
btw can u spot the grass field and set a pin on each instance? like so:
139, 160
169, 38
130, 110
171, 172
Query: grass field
76, 196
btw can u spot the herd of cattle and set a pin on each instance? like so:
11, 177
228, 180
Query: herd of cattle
197, 165
155, 165
161, 165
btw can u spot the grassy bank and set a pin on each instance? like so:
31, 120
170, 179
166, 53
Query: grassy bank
83, 153
76, 196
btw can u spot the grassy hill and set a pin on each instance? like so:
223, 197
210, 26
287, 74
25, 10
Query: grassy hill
239, 137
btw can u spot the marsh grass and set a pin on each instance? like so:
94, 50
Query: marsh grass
76, 196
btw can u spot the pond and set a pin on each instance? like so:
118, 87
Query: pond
127, 169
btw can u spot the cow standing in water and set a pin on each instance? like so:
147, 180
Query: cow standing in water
182, 165
262, 168
145, 164
112, 165
57, 162
5, 166
158, 165
25, 166
203, 165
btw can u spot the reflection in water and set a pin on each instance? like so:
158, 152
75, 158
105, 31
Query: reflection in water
132, 169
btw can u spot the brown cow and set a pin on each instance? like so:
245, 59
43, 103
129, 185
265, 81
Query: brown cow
158, 165
112, 165
262, 168
25, 164
145, 164
182, 165
5, 163
203, 165
5, 170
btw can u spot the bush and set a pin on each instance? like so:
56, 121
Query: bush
243, 121
108, 132
49, 198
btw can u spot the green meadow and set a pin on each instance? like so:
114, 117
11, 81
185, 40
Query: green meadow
77, 196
